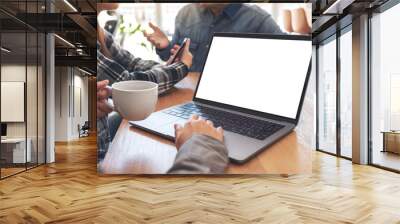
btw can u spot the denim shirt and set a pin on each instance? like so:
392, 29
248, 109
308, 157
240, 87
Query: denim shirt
199, 24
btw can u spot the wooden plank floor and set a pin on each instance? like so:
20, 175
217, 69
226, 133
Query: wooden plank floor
70, 191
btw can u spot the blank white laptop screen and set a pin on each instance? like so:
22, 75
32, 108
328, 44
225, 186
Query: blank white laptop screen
264, 75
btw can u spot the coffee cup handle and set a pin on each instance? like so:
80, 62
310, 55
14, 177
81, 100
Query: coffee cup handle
111, 104
109, 101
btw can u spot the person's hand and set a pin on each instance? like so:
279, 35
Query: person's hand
103, 93
186, 57
157, 38
196, 125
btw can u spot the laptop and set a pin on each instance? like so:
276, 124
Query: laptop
252, 85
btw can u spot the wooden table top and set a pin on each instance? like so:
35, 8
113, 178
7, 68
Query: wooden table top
134, 151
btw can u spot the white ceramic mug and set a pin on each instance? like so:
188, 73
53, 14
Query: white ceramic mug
135, 100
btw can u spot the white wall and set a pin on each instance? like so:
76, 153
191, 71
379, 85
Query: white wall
81, 84
34, 125
16, 73
61, 104
70, 83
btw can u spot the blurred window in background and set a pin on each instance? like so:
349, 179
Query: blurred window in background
327, 96
385, 87
346, 94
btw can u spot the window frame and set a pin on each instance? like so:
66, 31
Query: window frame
336, 36
378, 10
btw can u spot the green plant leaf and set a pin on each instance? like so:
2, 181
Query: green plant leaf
137, 28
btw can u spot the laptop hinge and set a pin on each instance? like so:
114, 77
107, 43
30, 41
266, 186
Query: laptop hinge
243, 110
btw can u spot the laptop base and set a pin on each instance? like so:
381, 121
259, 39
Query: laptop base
240, 148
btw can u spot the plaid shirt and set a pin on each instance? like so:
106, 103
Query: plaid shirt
124, 66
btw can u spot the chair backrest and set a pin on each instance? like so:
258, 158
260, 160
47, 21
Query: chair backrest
86, 125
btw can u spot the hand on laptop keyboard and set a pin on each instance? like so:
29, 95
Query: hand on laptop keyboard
251, 127
196, 125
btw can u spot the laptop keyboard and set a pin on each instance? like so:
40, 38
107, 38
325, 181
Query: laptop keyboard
251, 127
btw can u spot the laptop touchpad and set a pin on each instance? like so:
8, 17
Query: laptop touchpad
168, 129
157, 120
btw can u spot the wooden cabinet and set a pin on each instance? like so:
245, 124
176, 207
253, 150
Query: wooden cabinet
13, 151
391, 142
